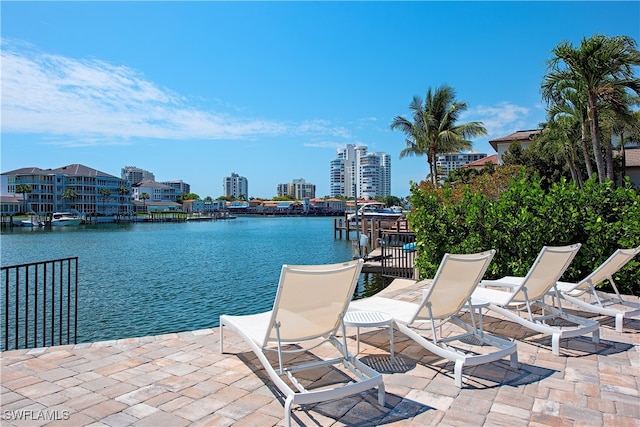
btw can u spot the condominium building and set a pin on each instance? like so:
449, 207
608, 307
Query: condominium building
236, 186
180, 186
355, 172
156, 191
298, 188
134, 175
75, 188
447, 162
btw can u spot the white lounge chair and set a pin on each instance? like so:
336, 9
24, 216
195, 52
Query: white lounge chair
529, 291
308, 309
602, 303
444, 300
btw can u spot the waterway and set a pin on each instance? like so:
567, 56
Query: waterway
152, 278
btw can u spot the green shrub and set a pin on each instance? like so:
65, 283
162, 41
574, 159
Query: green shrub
512, 213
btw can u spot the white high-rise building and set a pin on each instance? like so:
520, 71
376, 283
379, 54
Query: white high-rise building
357, 173
134, 175
236, 186
446, 162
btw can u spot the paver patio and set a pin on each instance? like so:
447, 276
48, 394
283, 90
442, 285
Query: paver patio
182, 379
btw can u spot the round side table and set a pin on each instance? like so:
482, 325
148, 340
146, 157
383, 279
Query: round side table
369, 319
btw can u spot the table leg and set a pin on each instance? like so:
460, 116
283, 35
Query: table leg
393, 359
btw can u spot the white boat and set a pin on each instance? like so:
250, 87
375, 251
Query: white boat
32, 222
376, 210
64, 219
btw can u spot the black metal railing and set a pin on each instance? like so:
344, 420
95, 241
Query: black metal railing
40, 306
398, 254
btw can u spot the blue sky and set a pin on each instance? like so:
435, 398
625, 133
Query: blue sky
268, 90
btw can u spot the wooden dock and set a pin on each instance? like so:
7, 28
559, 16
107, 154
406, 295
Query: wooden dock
385, 247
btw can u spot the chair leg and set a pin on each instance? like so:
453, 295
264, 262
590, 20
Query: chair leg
287, 411
595, 337
555, 344
514, 360
381, 394
457, 373
619, 322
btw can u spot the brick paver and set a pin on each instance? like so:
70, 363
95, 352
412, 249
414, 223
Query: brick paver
181, 379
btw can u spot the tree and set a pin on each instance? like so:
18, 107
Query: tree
190, 196
69, 194
123, 190
144, 197
600, 67
24, 189
104, 195
569, 106
434, 128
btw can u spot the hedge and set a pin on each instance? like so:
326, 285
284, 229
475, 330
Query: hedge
511, 212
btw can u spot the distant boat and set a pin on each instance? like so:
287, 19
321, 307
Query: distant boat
376, 210
64, 219
32, 222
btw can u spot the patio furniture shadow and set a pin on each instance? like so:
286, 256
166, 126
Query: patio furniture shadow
572, 347
358, 410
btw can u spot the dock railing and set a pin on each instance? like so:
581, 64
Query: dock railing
40, 304
398, 254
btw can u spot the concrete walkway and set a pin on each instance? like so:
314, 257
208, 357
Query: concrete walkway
182, 379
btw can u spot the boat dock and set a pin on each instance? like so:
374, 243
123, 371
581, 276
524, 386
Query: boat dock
387, 247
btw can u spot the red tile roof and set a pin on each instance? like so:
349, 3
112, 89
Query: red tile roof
480, 163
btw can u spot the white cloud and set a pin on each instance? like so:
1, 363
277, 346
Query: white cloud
501, 119
89, 102
325, 144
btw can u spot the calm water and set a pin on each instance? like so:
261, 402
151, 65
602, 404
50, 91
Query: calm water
147, 279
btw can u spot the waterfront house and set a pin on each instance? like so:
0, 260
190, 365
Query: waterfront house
77, 188
11, 205
524, 137
157, 191
632, 165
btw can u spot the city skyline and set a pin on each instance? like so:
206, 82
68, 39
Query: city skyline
196, 90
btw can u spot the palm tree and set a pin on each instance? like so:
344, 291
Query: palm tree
123, 190
144, 197
625, 123
69, 193
434, 129
600, 66
570, 105
24, 189
104, 195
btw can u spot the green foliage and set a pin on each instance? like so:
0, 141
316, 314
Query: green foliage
190, 196
285, 197
522, 218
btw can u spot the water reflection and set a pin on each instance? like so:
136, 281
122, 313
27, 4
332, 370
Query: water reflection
370, 284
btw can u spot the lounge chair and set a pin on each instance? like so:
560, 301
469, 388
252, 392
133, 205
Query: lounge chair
602, 303
529, 291
309, 306
444, 301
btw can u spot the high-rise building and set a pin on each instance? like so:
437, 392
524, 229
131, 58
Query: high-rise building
134, 175
354, 172
236, 186
298, 188
447, 162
